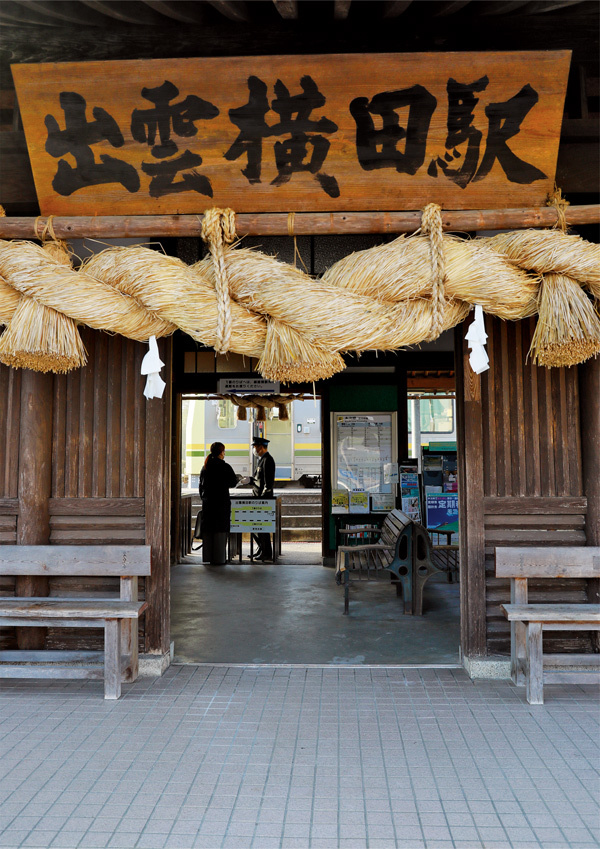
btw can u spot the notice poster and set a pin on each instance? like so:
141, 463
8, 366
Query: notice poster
409, 493
253, 516
339, 501
364, 446
442, 509
358, 502
382, 502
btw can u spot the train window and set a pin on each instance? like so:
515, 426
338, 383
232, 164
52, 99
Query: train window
437, 415
226, 415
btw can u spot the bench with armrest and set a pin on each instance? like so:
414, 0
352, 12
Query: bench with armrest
403, 550
117, 616
529, 621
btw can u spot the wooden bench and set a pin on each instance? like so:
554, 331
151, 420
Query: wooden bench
529, 621
118, 616
403, 550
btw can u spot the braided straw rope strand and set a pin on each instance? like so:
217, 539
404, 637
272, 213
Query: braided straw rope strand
431, 223
218, 230
388, 297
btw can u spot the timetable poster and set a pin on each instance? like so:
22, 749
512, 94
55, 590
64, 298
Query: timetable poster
364, 445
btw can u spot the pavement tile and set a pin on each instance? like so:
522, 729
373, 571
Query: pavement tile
212, 758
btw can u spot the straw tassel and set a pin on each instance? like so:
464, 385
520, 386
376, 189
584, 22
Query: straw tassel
568, 328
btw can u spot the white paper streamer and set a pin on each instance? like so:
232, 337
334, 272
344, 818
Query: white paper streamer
476, 338
151, 365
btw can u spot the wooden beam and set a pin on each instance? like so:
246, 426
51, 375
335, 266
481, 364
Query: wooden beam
288, 9
133, 12
394, 8
185, 13
276, 223
235, 10
341, 9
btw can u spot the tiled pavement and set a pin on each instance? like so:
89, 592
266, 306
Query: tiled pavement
258, 758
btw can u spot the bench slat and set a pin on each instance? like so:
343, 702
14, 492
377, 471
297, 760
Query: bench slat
84, 560
575, 613
546, 562
33, 608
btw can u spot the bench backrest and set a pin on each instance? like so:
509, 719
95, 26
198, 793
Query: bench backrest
88, 560
540, 562
395, 522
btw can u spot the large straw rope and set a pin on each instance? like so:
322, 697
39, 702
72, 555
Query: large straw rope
386, 298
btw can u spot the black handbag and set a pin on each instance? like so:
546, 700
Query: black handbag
197, 531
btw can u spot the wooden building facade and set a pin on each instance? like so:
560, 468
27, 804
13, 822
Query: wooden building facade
85, 459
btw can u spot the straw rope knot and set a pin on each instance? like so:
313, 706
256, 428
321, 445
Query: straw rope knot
556, 200
218, 230
431, 223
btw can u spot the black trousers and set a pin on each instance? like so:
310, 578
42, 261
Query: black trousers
264, 546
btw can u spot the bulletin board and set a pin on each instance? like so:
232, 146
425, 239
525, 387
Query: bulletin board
362, 444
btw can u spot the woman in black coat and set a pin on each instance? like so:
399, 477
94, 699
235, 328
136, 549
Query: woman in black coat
216, 479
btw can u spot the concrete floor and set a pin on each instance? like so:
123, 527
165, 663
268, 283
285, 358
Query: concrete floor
291, 612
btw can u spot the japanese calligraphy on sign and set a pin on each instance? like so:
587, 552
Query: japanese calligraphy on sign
294, 133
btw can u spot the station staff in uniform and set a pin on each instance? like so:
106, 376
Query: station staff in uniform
262, 487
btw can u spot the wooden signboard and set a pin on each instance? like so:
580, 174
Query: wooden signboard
294, 133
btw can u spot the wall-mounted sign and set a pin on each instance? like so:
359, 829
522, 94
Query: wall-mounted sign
228, 385
293, 133
253, 516
442, 509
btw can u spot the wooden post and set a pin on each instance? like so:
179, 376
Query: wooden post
35, 485
589, 394
176, 481
326, 549
470, 487
158, 510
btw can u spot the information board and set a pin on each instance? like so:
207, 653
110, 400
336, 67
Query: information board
363, 445
442, 509
253, 516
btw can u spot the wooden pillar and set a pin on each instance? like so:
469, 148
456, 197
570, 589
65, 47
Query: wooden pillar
402, 415
470, 486
589, 394
176, 480
158, 509
326, 548
35, 485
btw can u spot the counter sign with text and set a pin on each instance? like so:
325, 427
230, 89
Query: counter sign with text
253, 516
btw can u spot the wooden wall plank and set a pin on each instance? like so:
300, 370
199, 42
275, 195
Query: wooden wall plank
535, 504
128, 402
113, 413
72, 434
575, 427
100, 416
139, 424
488, 388
520, 353
10, 406
59, 425
96, 506
532, 453
86, 423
